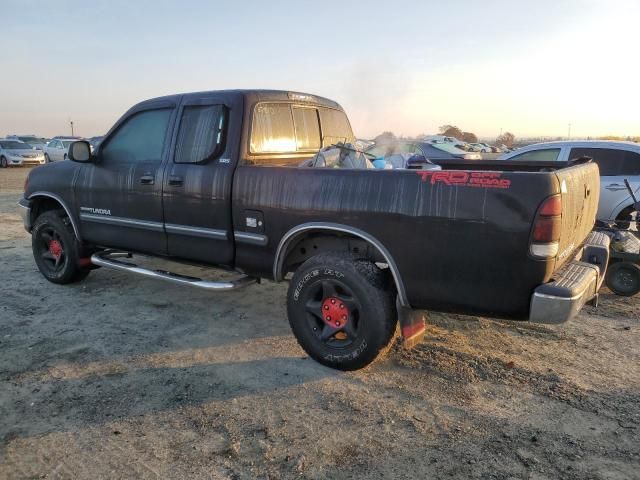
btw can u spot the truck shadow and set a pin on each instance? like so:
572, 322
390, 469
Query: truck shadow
41, 406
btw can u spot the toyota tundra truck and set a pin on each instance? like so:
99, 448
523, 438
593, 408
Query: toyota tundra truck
223, 179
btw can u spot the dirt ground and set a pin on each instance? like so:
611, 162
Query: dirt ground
122, 377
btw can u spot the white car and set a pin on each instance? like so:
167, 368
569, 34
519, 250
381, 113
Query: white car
483, 147
14, 153
58, 149
617, 161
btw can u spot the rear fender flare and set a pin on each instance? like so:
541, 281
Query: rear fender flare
292, 235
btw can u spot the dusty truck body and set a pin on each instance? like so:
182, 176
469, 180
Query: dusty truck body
219, 179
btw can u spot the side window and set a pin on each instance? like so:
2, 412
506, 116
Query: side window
307, 128
631, 164
609, 161
272, 129
544, 155
139, 139
335, 127
201, 134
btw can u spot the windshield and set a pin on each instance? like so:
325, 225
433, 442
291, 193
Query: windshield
15, 146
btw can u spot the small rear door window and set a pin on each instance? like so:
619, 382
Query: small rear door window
201, 133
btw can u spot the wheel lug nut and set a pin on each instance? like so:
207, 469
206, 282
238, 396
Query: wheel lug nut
344, 317
333, 300
326, 307
341, 306
337, 324
328, 318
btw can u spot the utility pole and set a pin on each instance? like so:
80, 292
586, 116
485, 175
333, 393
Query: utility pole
71, 122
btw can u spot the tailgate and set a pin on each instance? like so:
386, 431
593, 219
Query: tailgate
580, 188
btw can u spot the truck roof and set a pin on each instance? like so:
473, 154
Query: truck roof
256, 95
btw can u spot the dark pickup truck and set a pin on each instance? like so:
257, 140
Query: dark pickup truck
223, 179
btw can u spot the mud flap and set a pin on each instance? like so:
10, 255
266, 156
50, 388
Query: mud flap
412, 325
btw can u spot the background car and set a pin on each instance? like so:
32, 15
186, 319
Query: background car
483, 147
58, 149
617, 161
32, 140
16, 153
434, 152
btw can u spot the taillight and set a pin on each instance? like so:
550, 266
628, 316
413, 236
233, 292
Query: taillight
545, 237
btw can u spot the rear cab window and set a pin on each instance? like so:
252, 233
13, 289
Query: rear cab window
283, 133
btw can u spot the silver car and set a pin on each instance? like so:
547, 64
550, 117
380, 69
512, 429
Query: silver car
618, 161
58, 149
15, 153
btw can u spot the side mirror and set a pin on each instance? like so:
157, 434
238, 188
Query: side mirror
80, 151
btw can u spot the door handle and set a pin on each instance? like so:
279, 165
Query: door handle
147, 179
175, 180
615, 187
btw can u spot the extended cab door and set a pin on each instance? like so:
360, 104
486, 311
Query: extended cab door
198, 177
119, 195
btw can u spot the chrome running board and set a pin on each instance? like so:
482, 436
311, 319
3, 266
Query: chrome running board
107, 259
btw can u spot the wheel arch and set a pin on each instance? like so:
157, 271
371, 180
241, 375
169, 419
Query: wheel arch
298, 233
43, 201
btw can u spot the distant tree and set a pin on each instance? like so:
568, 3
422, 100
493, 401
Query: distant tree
385, 137
507, 138
469, 137
451, 131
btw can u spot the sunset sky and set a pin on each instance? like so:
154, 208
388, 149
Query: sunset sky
530, 67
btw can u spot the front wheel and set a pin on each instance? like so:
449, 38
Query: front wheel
341, 310
46, 158
55, 248
3, 162
623, 278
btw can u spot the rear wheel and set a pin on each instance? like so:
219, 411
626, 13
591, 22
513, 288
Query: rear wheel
46, 158
341, 310
3, 162
623, 278
56, 249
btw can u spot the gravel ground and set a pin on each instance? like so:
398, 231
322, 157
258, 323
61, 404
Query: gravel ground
122, 377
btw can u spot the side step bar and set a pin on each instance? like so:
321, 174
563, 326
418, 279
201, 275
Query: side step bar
107, 259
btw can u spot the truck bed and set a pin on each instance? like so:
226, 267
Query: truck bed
458, 245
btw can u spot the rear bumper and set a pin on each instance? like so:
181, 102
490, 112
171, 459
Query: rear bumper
576, 284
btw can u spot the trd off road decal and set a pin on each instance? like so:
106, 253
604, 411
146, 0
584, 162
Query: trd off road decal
466, 179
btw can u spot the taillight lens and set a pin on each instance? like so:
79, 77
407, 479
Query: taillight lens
545, 237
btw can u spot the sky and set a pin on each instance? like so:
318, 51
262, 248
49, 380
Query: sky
525, 66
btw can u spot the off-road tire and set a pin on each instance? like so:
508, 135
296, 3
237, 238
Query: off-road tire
55, 225
364, 287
